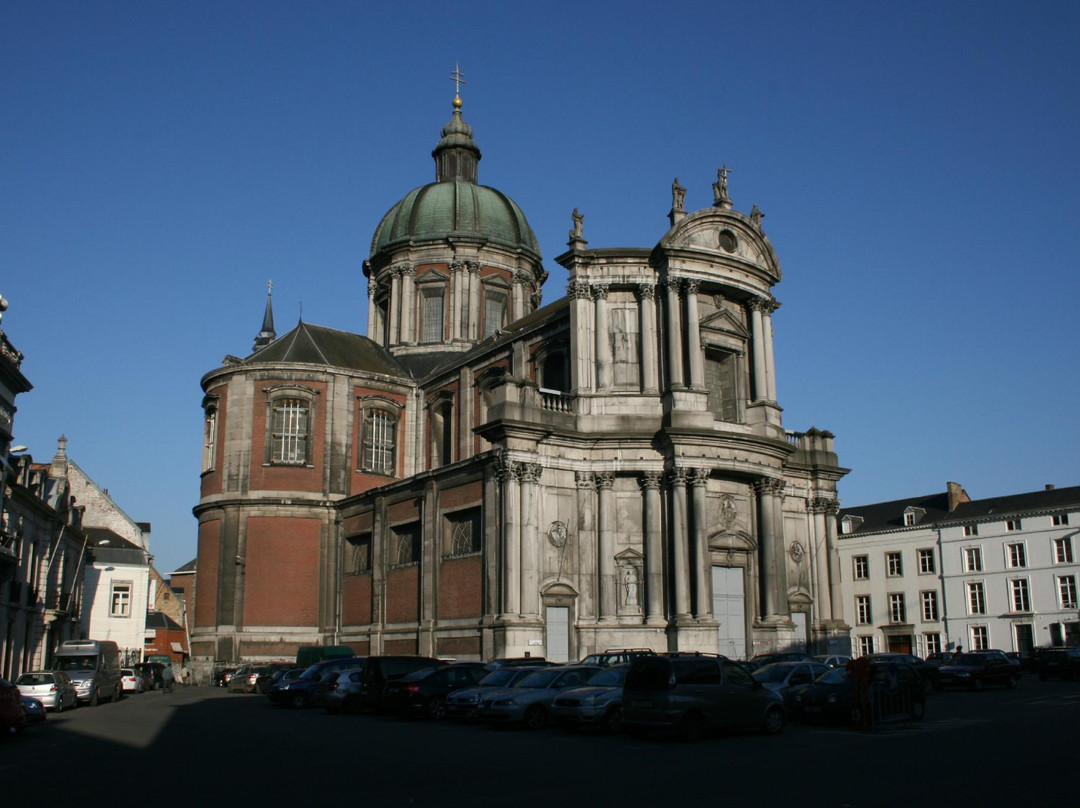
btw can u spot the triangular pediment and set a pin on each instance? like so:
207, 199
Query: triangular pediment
725, 322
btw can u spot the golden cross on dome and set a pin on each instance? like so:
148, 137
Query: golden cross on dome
458, 78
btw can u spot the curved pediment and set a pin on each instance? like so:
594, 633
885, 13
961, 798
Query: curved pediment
724, 234
737, 541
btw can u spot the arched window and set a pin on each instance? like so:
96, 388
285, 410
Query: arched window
431, 313
209, 437
378, 442
494, 311
289, 435
442, 433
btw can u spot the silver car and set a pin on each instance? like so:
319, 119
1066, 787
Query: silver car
529, 702
598, 704
52, 688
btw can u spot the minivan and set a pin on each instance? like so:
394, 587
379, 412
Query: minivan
93, 667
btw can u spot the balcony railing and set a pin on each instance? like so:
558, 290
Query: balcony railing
556, 401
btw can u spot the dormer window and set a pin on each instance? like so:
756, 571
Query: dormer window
913, 515
849, 524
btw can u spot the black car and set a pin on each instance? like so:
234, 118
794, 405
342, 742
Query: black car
365, 690
929, 673
1058, 663
891, 691
300, 692
761, 660
693, 693
424, 692
978, 669
273, 674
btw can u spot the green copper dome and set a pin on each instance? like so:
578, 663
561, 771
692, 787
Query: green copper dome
455, 205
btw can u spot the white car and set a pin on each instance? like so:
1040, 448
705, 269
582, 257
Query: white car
131, 681
52, 688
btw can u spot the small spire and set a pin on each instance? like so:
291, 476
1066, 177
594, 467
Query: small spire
267, 334
456, 154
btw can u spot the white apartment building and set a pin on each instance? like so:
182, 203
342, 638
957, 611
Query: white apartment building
941, 572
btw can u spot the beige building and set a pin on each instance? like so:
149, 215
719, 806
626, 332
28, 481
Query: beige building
483, 476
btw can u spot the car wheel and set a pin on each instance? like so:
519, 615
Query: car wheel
774, 721
436, 708
300, 701
613, 720
918, 710
691, 727
59, 708
94, 699
1011, 683
535, 717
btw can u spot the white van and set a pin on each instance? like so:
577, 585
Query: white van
93, 667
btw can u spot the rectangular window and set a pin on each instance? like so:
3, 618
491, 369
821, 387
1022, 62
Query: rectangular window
209, 439
461, 533
290, 431
866, 646
894, 564
862, 609
721, 380
360, 552
431, 314
1012, 525
976, 598
405, 545
120, 600
933, 643
378, 449
1063, 553
1067, 591
897, 612
971, 530
1017, 555
494, 312
980, 638
1059, 519
929, 606
972, 559
625, 338
862, 567
926, 561
1021, 599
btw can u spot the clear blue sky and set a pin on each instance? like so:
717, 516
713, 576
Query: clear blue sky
917, 163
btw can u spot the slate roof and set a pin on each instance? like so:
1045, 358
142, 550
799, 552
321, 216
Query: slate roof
159, 620
890, 515
1053, 499
318, 345
117, 550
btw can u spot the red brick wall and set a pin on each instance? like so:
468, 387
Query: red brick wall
402, 595
402, 512
458, 646
460, 587
357, 524
356, 600
206, 585
360, 481
281, 574
404, 647
463, 495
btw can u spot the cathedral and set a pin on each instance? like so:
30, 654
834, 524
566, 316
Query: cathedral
482, 476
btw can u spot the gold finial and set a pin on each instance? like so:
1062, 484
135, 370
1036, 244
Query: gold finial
458, 78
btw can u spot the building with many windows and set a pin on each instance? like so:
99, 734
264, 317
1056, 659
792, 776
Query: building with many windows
943, 571
482, 475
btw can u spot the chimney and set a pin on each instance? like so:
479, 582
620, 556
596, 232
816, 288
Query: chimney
1049, 487
957, 494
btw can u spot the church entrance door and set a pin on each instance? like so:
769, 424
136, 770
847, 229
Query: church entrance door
557, 642
729, 610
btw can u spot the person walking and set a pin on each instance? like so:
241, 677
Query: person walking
167, 678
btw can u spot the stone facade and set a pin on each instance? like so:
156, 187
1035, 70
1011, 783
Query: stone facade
484, 477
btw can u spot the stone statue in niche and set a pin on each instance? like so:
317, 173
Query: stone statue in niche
630, 585
678, 195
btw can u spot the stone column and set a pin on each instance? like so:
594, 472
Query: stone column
702, 569
372, 329
603, 337
518, 291
770, 540
680, 575
654, 546
408, 305
473, 309
835, 588
530, 539
649, 368
822, 595
581, 362
674, 334
695, 353
586, 530
605, 517
770, 364
757, 349
395, 304
510, 472
458, 284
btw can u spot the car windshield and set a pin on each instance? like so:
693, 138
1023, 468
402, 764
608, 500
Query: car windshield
539, 678
833, 676
612, 677
31, 679
773, 674
501, 677
970, 659
76, 663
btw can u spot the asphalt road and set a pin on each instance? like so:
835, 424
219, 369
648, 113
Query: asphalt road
203, 746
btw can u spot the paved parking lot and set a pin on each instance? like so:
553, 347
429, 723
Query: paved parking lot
205, 744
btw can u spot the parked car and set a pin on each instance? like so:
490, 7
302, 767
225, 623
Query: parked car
33, 710
518, 662
977, 669
365, 692
220, 677
894, 690
424, 692
12, 716
54, 689
694, 693
761, 660
150, 672
245, 678
1058, 663
465, 703
597, 704
833, 660
615, 656
929, 674
788, 678
132, 681
300, 692
273, 674
529, 701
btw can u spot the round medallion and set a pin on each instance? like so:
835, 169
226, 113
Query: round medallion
558, 534
728, 241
